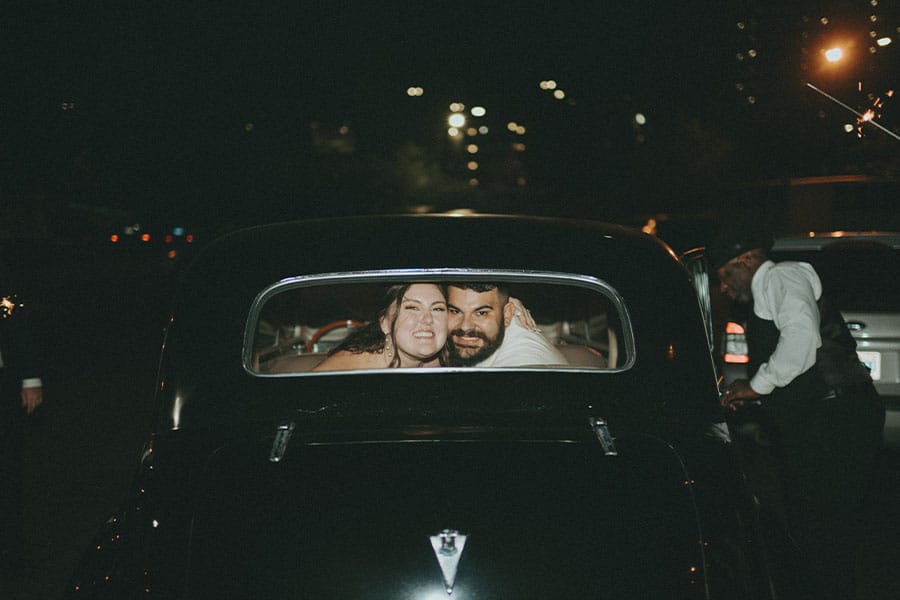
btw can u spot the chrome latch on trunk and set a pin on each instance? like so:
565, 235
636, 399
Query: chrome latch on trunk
282, 437
601, 430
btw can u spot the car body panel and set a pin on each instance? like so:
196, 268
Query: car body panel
281, 536
609, 482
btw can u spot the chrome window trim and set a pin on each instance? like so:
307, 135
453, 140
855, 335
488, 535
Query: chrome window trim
441, 274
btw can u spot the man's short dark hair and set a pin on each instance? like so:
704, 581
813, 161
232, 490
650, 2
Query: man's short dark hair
482, 287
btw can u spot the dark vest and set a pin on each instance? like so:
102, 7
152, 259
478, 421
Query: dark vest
837, 365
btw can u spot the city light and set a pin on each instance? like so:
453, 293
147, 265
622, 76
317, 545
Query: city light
456, 120
640, 119
834, 54
478, 111
559, 94
414, 91
885, 41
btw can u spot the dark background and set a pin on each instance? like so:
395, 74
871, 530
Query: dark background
215, 115
132, 118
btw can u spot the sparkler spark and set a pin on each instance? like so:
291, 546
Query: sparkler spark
868, 117
7, 305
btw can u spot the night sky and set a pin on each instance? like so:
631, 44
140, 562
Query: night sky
206, 108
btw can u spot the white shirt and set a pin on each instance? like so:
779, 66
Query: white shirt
786, 293
523, 347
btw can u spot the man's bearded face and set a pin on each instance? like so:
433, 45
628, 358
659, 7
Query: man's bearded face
476, 325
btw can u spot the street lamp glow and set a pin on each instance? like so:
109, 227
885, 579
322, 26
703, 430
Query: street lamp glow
478, 111
884, 41
640, 119
559, 94
834, 54
456, 120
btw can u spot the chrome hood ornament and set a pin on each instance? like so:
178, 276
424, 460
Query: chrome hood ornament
448, 548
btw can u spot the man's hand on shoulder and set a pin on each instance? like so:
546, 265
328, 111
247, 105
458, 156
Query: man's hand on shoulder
515, 309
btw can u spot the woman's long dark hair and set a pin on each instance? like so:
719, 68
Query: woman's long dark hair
371, 338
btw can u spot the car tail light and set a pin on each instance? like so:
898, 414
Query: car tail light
735, 344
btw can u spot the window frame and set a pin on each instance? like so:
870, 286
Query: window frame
627, 343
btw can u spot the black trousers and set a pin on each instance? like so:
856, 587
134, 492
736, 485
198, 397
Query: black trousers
826, 451
12, 455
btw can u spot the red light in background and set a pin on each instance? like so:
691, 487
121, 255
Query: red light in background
169, 238
114, 238
172, 254
736, 359
189, 238
732, 327
145, 237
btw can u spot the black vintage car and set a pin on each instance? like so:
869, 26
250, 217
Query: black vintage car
607, 475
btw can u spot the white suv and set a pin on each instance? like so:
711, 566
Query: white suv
860, 272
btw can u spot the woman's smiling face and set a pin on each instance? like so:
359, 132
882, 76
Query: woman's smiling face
420, 327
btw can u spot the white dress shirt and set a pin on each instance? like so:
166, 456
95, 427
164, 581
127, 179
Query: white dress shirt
786, 293
523, 347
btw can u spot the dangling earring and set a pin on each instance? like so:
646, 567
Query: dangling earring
388, 347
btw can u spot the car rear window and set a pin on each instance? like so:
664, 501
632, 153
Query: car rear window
860, 277
296, 324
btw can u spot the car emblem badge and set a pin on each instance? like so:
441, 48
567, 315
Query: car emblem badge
448, 547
